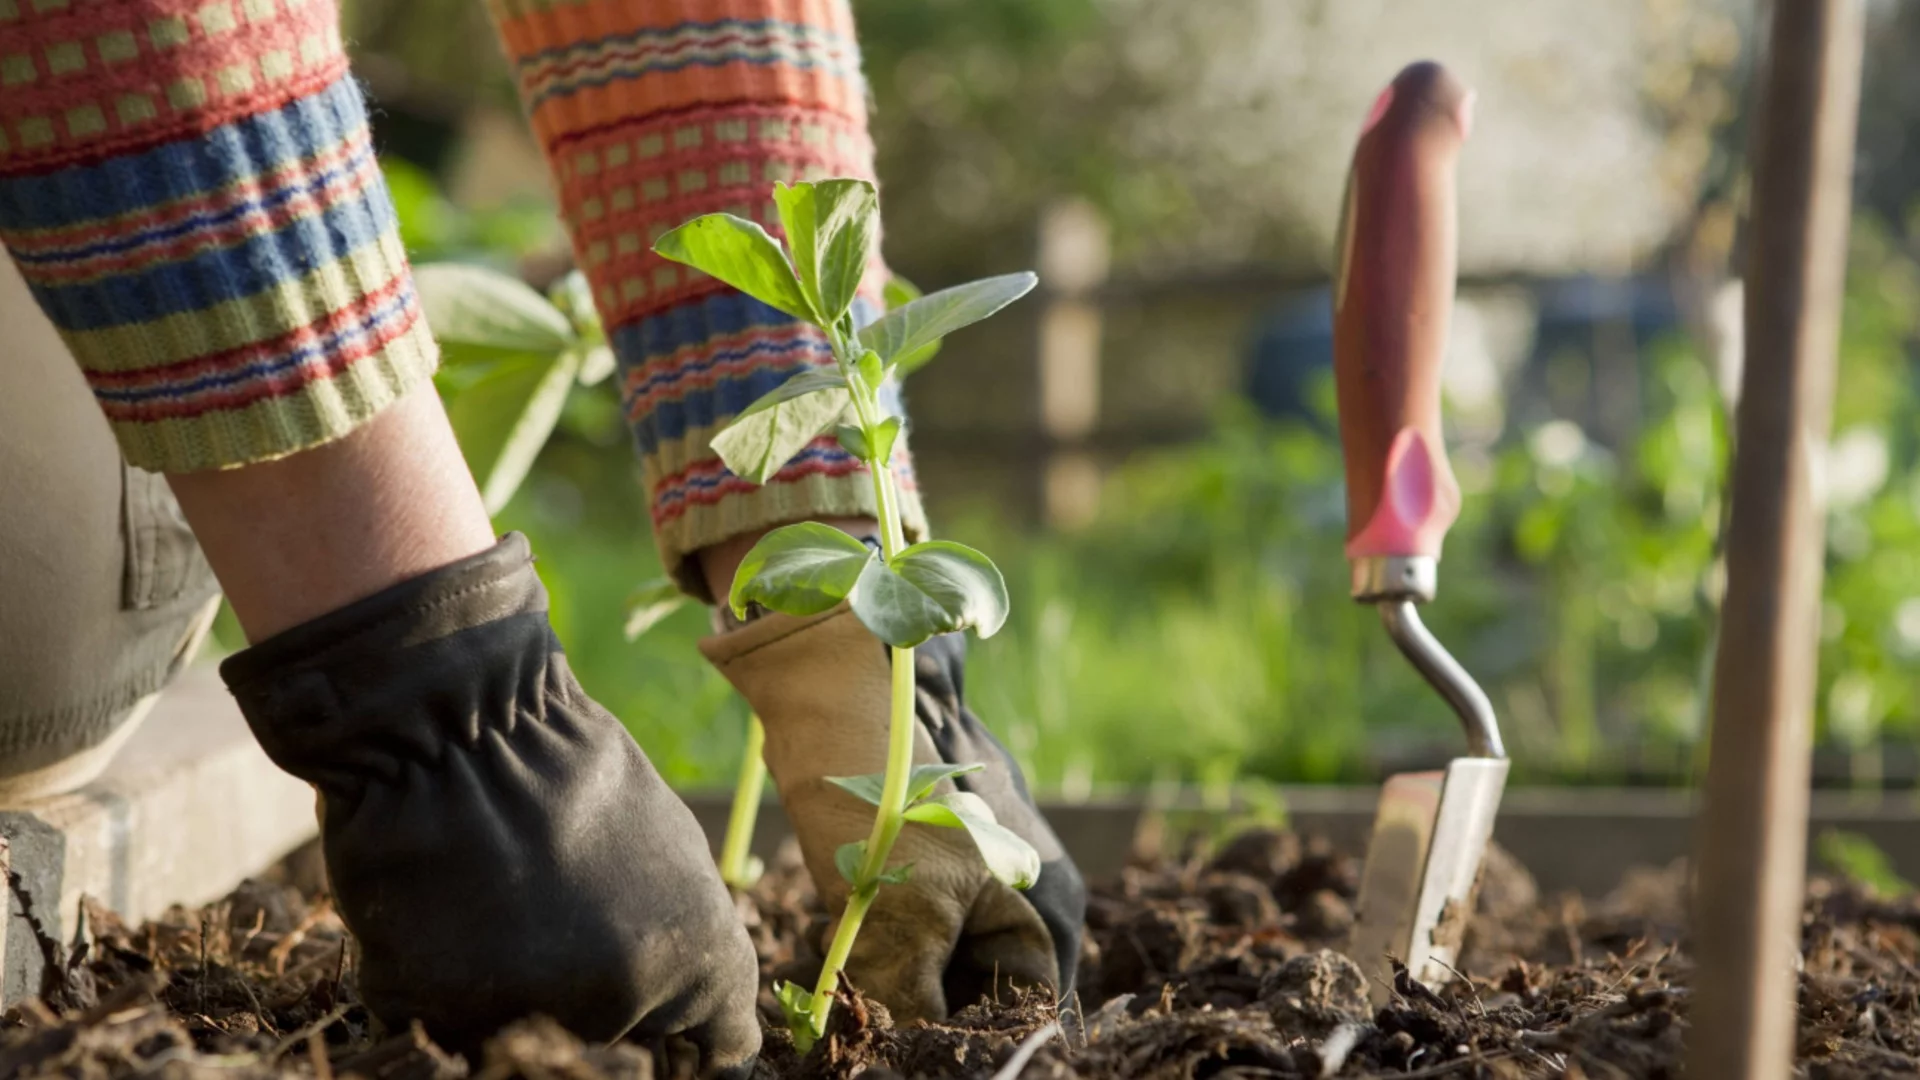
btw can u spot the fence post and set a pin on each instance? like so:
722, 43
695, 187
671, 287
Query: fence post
1752, 839
1073, 259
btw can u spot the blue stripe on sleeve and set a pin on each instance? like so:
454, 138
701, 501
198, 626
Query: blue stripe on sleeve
254, 266
224, 156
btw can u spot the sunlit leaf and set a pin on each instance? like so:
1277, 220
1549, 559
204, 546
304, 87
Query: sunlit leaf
868, 788
905, 329
480, 312
926, 777
899, 292
596, 364
831, 226
799, 570
757, 447
914, 359
650, 603
847, 859
740, 253
504, 417
885, 434
931, 588
796, 1005
853, 441
872, 368
812, 381
1008, 857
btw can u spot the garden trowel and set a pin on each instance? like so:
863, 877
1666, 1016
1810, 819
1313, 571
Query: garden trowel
1393, 295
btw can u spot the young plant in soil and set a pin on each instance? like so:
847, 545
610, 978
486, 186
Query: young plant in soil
905, 594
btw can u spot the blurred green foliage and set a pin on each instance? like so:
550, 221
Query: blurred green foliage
1862, 862
1199, 630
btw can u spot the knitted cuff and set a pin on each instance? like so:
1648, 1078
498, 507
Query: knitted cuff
191, 193
653, 114
701, 364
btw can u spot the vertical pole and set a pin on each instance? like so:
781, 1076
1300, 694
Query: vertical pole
1752, 841
1073, 263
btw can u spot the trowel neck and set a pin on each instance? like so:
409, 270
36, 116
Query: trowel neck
1381, 578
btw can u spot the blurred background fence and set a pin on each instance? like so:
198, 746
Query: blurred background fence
1148, 447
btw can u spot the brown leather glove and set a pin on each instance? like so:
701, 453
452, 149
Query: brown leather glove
821, 686
494, 838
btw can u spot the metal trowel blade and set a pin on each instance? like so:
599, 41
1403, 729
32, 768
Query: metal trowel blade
1423, 866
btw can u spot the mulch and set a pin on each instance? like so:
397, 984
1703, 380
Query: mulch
1214, 964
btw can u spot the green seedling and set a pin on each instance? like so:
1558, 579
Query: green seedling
509, 359
905, 594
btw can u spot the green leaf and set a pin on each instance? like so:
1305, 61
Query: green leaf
800, 220
797, 1006
885, 434
906, 329
914, 359
847, 859
596, 364
926, 777
872, 369
740, 253
831, 226
1007, 856
811, 381
479, 313
868, 788
504, 417
897, 612
853, 441
650, 603
930, 588
757, 447
799, 570
573, 295
849, 212
899, 292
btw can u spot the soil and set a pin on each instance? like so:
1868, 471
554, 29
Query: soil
1208, 966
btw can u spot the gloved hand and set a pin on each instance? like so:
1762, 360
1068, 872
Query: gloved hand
494, 838
821, 686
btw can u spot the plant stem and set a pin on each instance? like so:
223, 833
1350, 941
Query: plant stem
746, 808
891, 815
887, 823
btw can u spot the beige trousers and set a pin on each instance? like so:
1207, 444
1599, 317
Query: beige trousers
103, 592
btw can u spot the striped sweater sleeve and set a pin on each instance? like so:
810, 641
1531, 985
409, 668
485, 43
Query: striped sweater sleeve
189, 190
652, 112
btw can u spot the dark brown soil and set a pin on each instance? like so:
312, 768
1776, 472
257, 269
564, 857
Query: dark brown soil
1195, 967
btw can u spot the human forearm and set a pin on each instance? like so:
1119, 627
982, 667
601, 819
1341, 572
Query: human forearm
301, 536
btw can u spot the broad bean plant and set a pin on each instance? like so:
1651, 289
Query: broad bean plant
903, 593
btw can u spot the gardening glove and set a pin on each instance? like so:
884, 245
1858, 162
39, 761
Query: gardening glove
942, 940
494, 838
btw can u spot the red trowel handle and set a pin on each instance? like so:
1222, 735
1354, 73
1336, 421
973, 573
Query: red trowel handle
1393, 294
